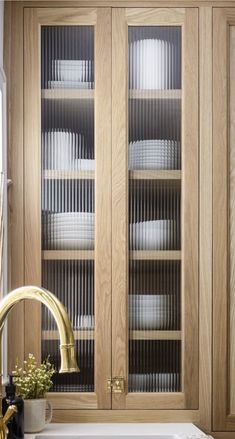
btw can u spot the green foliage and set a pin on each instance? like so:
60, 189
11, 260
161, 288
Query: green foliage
32, 381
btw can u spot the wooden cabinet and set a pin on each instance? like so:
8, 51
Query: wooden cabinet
77, 180
145, 198
223, 218
121, 127
67, 199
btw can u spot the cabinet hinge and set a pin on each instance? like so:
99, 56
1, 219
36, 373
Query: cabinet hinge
116, 385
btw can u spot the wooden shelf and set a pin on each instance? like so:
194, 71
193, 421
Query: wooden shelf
155, 255
155, 94
154, 335
61, 93
82, 334
88, 334
68, 175
173, 175
155, 175
67, 93
68, 255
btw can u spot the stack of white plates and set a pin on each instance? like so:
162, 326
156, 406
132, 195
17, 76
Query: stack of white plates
84, 322
155, 382
62, 150
154, 64
70, 231
154, 154
149, 311
70, 84
71, 74
153, 235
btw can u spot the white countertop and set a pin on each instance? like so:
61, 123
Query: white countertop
184, 430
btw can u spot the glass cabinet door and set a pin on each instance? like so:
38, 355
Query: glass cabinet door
68, 190
155, 207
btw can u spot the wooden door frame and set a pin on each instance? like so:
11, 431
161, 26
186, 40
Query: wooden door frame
101, 19
188, 19
223, 181
13, 64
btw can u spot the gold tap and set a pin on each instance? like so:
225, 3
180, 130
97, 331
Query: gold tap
67, 346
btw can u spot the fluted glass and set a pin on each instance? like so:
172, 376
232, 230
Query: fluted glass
68, 193
154, 162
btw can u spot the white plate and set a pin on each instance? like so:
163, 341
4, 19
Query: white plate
84, 164
75, 70
70, 84
81, 217
72, 244
84, 322
163, 381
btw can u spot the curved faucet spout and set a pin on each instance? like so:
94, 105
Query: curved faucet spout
67, 345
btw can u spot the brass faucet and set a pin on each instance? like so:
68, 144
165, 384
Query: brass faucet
67, 346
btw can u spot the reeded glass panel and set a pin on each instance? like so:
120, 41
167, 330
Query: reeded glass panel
68, 198
154, 159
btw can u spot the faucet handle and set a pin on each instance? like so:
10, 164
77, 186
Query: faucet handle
12, 409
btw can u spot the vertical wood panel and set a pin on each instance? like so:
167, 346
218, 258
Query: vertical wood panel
232, 214
119, 201
32, 172
220, 211
189, 211
13, 66
190, 208
205, 270
103, 206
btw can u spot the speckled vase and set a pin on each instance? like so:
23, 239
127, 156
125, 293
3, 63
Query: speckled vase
35, 416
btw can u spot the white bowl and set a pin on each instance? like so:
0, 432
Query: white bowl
150, 64
152, 235
60, 148
149, 311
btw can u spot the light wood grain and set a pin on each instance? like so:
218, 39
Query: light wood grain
155, 255
67, 16
190, 238
232, 213
87, 402
205, 270
230, 422
148, 401
13, 65
127, 3
68, 175
220, 219
102, 253
68, 255
154, 335
158, 17
119, 201
155, 94
189, 21
32, 179
75, 401
155, 175
142, 416
82, 334
67, 94
222, 435
103, 239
